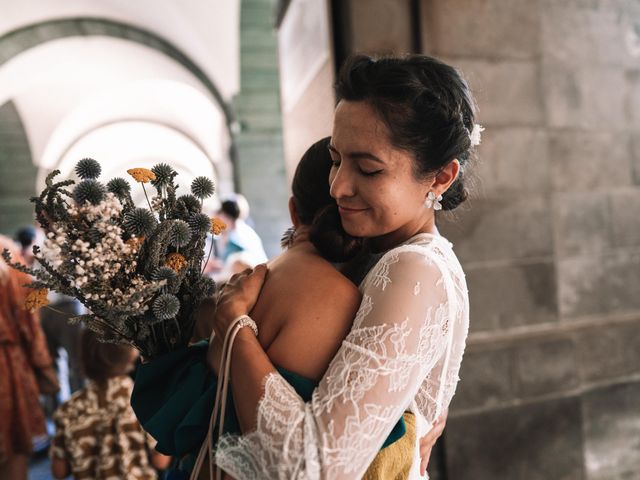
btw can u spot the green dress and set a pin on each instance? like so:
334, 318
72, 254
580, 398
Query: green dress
174, 394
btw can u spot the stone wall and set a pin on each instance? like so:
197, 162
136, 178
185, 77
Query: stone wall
17, 172
551, 240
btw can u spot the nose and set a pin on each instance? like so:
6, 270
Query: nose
341, 184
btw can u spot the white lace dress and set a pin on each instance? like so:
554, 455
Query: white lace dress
402, 353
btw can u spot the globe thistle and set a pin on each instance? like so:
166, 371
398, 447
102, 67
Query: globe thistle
119, 187
180, 233
202, 187
88, 168
140, 222
166, 306
199, 223
164, 175
191, 203
163, 273
90, 191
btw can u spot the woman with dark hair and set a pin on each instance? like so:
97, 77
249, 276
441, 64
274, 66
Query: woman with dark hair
403, 134
173, 395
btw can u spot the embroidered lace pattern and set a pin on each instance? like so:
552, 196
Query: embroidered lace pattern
404, 349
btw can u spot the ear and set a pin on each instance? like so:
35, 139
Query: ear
445, 177
293, 214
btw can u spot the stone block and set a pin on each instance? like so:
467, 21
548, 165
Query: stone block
380, 26
602, 352
535, 441
581, 223
582, 286
486, 379
635, 158
576, 33
509, 30
546, 367
623, 280
624, 218
508, 296
508, 92
612, 432
588, 161
512, 162
633, 98
586, 97
492, 229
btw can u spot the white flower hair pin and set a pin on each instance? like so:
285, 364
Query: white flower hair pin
475, 135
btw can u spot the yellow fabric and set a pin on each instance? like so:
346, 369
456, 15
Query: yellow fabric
394, 462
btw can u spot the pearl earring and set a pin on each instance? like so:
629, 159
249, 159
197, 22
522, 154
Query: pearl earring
433, 202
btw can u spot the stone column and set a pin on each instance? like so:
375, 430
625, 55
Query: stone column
17, 172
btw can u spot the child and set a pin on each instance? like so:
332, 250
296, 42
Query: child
97, 433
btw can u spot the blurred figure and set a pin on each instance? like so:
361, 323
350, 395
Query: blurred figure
23, 357
239, 246
61, 334
26, 238
97, 434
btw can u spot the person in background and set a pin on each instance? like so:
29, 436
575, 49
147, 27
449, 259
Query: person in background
97, 434
26, 238
23, 356
239, 246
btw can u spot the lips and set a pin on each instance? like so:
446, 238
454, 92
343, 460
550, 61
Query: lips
350, 211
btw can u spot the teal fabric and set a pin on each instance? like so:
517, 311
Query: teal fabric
173, 397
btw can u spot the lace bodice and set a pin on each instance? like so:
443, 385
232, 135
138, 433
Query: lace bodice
403, 352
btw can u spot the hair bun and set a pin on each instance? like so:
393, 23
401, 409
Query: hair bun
329, 237
455, 195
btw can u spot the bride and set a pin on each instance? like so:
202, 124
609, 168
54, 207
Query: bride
404, 131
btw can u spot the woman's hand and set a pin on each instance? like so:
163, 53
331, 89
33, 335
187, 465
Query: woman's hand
238, 297
429, 440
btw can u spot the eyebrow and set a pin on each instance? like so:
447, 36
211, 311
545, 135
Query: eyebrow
358, 155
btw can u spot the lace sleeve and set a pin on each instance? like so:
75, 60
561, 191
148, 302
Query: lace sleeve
399, 334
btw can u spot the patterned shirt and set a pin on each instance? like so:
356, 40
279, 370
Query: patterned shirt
98, 434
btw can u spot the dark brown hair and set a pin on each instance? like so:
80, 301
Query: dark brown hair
316, 208
102, 361
426, 105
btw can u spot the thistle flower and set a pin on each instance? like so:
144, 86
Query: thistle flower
88, 168
202, 187
164, 174
180, 233
36, 299
217, 226
163, 273
139, 221
175, 261
90, 191
199, 223
142, 175
191, 203
119, 187
166, 306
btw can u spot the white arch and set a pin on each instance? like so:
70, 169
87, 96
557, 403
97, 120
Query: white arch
130, 144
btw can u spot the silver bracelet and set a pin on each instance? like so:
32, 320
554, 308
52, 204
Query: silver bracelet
246, 321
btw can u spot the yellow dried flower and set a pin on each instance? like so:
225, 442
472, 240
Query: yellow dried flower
217, 226
36, 299
175, 261
135, 242
142, 175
